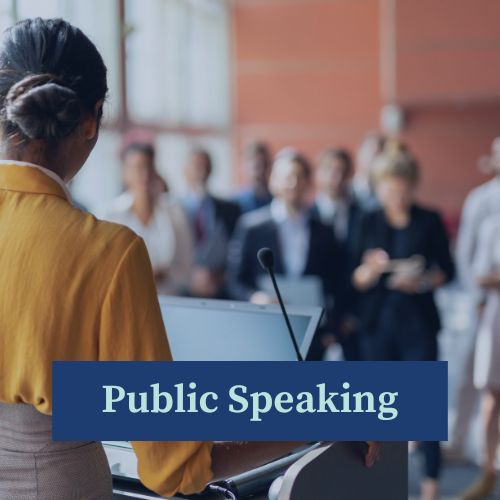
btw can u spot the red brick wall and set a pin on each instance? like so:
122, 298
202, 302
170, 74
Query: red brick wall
312, 73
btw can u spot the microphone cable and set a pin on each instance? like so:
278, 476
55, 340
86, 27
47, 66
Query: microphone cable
228, 494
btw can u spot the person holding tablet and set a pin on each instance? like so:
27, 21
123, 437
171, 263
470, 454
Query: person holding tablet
403, 257
73, 287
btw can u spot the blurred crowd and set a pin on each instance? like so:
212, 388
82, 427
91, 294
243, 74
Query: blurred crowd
355, 226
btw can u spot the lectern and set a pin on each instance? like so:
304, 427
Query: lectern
337, 472
332, 472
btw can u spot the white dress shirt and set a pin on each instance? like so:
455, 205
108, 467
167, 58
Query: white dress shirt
334, 213
294, 235
167, 237
487, 261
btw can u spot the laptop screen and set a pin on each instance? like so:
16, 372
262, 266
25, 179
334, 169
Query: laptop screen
215, 330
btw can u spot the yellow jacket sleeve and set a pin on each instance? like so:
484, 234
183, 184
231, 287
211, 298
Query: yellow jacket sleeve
132, 329
171, 467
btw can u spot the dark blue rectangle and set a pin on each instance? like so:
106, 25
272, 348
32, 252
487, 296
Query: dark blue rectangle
79, 401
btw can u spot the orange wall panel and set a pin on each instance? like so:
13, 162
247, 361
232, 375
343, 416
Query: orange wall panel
312, 73
308, 96
313, 29
447, 50
306, 72
448, 75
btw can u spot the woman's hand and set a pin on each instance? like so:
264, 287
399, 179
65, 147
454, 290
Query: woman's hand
417, 282
203, 283
373, 265
373, 453
262, 299
491, 280
376, 260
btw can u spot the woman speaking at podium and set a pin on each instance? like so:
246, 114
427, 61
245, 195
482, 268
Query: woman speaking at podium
72, 287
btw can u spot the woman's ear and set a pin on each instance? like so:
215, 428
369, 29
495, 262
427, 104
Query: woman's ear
92, 121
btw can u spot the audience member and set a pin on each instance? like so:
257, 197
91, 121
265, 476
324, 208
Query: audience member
485, 269
302, 245
212, 221
403, 257
156, 217
336, 206
371, 146
257, 167
482, 202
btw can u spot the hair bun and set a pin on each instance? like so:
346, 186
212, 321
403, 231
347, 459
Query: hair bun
42, 108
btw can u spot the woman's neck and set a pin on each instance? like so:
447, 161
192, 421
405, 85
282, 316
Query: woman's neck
34, 155
398, 219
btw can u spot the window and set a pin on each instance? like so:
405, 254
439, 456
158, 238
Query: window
177, 62
168, 72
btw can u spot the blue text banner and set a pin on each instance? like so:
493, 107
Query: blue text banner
250, 401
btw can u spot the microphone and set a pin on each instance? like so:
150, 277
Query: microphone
265, 257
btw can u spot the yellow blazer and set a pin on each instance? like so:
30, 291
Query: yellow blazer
76, 288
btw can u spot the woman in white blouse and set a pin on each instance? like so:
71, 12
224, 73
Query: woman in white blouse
486, 269
148, 210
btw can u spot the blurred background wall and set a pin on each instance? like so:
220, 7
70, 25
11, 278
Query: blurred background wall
306, 73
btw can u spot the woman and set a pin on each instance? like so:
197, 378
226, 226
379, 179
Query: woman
403, 257
151, 213
486, 267
73, 287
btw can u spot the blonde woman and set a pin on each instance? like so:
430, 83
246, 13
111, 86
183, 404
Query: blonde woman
403, 256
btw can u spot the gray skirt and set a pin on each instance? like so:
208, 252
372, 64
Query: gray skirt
33, 467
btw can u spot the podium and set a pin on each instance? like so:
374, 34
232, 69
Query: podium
330, 472
337, 472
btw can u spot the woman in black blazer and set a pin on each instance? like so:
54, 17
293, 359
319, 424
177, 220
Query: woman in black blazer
399, 317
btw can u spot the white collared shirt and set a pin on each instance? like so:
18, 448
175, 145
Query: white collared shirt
294, 235
334, 213
44, 170
167, 237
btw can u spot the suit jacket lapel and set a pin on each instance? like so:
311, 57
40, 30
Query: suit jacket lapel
311, 259
384, 231
273, 241
413, 234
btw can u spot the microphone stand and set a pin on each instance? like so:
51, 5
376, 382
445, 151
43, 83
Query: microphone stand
285, 315
266, 260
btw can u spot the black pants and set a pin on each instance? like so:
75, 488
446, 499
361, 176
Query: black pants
401, 335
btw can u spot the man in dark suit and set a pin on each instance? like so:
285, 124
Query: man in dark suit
336, 206
213, 221
302, 245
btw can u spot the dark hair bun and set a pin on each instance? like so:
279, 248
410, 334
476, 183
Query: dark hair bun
42, 108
